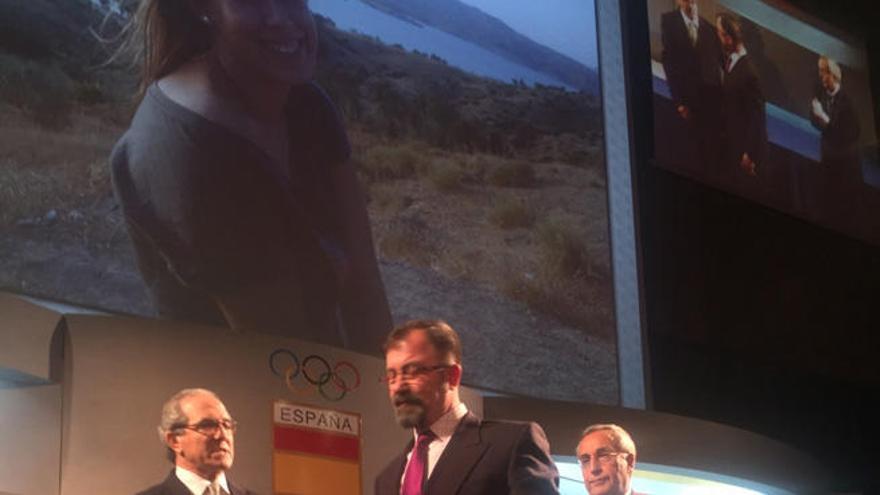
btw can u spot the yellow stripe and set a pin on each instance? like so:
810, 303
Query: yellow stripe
299, 474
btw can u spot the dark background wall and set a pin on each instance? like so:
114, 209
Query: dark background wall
754, 318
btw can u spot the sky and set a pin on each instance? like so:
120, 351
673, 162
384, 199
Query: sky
567, 26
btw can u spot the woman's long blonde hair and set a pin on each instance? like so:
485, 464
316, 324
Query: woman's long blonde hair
160, 37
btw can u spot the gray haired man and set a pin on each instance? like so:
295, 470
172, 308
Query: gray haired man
607, 455
200, 436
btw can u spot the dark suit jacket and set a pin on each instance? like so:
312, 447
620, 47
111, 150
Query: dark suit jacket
745, 123
840, 136
173, 486
485, 457
690, 69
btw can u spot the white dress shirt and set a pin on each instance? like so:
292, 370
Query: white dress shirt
443, 430
196, 484
692, 24
734, 58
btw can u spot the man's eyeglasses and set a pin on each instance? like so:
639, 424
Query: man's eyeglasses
411, 372
210, 427
601, 457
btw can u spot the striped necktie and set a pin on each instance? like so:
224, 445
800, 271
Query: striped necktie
214, 489
692, 33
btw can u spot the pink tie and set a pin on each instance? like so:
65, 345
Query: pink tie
418, 465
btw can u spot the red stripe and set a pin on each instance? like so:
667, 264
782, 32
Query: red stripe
317, 442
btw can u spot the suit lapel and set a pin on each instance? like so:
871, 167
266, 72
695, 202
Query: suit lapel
459, 458
389, 480
683, 33
738, 72
173, 486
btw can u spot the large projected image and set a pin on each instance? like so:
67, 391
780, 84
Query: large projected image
475, 133
760, 100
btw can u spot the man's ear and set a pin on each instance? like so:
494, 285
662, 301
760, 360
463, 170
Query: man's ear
453, 375
631, 461
172, 440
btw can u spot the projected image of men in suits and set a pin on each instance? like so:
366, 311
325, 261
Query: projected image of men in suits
742, 104
453, 451
690, 61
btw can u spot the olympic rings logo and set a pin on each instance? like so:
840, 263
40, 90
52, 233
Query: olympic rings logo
332, 382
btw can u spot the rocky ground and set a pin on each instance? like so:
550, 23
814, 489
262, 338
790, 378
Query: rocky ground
508, 347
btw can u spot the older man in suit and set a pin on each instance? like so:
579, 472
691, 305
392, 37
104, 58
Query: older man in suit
690, 60
199, 434
833, 113
607, 455
742, 105
453, 452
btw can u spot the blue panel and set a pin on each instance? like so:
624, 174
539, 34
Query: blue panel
784, 129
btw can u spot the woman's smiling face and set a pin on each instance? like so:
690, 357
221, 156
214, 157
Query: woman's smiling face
267, 40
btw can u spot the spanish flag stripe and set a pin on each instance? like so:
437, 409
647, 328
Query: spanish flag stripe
317, 442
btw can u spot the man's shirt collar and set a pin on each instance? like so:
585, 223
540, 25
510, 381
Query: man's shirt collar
834, 91
195, 483
695, 20
445, 426
735, 56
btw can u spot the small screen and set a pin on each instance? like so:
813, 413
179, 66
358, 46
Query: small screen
770, 104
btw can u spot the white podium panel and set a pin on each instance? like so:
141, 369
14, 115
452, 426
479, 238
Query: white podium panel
30, 440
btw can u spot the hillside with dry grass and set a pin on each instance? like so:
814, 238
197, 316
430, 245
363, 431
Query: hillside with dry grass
487, 201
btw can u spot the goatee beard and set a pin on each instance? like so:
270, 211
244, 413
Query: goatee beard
409, 410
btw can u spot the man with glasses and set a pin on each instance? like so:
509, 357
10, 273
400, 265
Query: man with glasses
453, 451
200, 437
607, 456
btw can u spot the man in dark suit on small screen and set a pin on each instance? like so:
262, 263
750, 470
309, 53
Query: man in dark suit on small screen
200, 437
742, 106
691, 55
453, 452
833, 113
607, 455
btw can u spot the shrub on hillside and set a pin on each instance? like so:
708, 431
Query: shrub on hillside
90, 93
445, 174
513, 174
509, 213
42, 89
387, 162
387, 197
563, 251
407, 238
575, 301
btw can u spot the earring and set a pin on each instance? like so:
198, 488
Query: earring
205, 19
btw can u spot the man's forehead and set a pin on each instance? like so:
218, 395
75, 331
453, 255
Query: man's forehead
415, 342
203, 405
595, 441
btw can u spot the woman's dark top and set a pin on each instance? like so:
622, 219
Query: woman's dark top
209, 214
